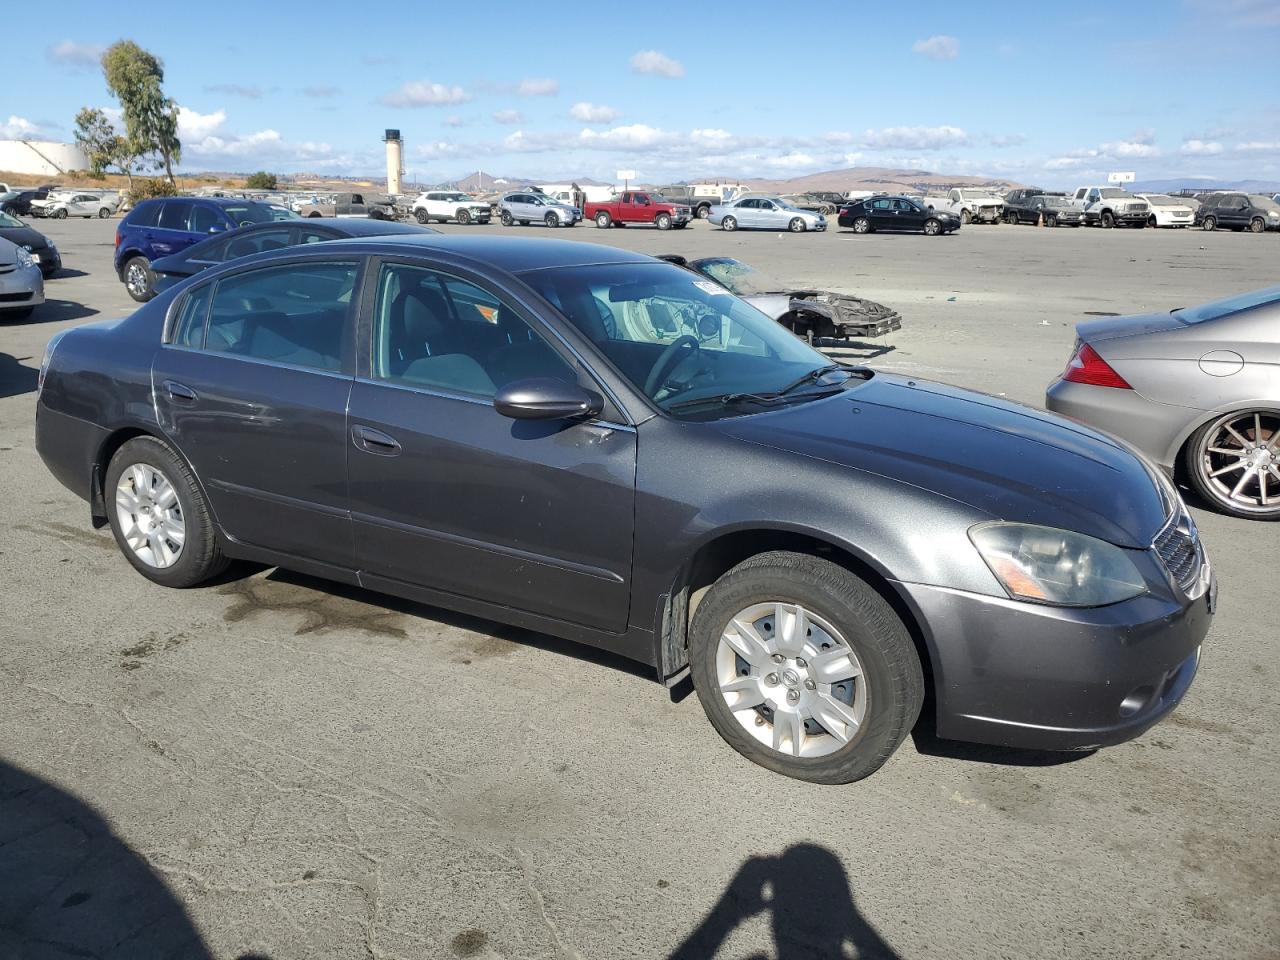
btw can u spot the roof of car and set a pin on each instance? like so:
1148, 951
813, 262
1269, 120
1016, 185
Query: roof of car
512, 254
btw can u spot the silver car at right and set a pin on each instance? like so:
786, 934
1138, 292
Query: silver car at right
1196, 389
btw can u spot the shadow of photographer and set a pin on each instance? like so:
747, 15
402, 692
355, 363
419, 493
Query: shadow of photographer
811, 910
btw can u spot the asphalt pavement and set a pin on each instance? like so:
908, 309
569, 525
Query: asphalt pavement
276, 766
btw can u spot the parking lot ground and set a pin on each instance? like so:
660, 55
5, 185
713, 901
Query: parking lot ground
282, 767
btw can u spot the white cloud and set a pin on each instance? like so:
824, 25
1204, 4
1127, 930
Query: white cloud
654, 62
1130, 150
18, 128
914, 138
1008, 140
421, 93
1257, 146
538, 87
1201, 148
72, 54
592, 112
939, 47
507, 116
636, 136
197, 126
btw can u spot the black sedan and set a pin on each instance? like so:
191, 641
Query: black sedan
272, 235
40, 247
18, 202
898, 214
499, 426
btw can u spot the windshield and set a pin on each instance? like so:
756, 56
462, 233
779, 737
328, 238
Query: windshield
974, 194
739, 278
1160, 200
1111, 193
1220, 308
1056, 201
1258, 200
242, 213
676, 337
11, 195
453, 197
8, 221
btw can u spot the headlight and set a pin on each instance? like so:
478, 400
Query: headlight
1057, 567
24, 257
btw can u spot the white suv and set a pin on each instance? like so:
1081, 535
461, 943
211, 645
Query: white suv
446, 205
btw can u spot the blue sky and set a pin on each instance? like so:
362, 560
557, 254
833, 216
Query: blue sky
1046, 93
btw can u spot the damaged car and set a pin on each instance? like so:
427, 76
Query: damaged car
819, 316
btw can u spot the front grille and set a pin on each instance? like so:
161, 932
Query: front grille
1178, 546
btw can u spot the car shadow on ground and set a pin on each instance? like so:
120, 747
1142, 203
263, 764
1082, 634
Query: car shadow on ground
67, 273
929, 744
16, 379
810, 905
56, 311
70, 887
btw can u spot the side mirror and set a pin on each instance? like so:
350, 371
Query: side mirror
546, 398
217, 228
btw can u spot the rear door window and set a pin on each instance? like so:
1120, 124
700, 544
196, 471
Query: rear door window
144, 215
188, 327
294, 313
175, 215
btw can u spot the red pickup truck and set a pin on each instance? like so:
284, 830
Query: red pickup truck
638, 206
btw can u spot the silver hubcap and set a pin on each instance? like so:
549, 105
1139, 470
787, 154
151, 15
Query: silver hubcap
1240, 461
136, 278
791, 680
150, 515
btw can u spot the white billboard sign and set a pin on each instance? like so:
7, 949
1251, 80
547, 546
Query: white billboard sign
1122, 176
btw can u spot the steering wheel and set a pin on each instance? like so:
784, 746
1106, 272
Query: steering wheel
666, 364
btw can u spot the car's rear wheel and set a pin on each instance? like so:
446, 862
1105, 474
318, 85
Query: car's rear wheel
729, 223
422, 216
861, 225
662, 221
804, 669
1256, 225
551, 220
702, 213
932, 227
139, 279
159, 516
1234, 463
796, 225
1210, 223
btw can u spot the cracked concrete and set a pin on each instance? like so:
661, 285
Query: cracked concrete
297, 770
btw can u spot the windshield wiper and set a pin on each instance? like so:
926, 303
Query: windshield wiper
724, 399
809, 377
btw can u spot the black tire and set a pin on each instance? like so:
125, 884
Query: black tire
1210, 223
60, 214
139, 279
932, 227
702, 212
464, 217
1257, 225
680, 226
890, 664
1051, 221
314, 213
966, 218
861, 225
1151, 221
524, 223
1010, 217
103, 213
1198, 465
603, 220
422, 216
506, 218
662, 221
376, 215
1108, 219
729, 223
551, 220
796, 225
200, 557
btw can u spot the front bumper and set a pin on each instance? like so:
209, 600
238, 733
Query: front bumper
21, 288
49, 259
1051, 678
988, 215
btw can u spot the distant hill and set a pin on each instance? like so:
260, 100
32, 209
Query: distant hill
479, 182
1207, 183
884, 179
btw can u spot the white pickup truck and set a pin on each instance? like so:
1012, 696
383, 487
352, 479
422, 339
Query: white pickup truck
1108, 206
970, 204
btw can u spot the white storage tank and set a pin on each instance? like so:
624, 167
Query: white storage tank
41, 158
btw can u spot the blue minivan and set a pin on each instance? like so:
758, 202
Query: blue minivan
168, 225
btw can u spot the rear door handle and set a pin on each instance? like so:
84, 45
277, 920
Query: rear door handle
179, 392
374, 441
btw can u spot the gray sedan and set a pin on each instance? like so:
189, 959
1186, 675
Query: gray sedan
21, 282
765, 213
1196, 389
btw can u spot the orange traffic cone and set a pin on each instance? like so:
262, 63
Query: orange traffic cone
1040, 219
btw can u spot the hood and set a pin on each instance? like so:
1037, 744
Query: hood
25, 237
1007, 461
1113, 328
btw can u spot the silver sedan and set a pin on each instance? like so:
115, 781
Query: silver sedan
764, 213
21, 282
1196, 389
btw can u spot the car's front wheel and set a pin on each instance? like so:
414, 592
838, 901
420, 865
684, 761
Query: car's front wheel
796, 225
139, 280
159, 516
506, 218
422, 216
1234, 463
932, 227
1256, 225
60, 214
804, 668
1210, 223
551, 220
662, 221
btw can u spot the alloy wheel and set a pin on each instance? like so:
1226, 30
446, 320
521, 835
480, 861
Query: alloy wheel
150, 515
135, 279
791, 680
1239, 461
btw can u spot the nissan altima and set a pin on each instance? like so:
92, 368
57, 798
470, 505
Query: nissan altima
599, 445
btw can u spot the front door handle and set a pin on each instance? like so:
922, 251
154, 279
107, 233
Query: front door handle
179, 392
374, 441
